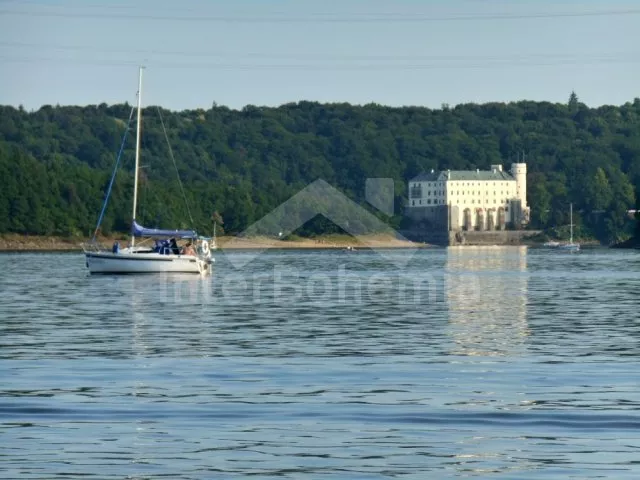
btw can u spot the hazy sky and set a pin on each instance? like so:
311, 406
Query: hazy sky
261, 52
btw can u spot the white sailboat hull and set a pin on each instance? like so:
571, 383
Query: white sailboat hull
108, 262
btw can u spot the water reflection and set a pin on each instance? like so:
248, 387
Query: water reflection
168, 315
175, 307
486, 294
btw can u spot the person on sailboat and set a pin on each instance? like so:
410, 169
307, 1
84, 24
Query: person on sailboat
188, 250
174, 247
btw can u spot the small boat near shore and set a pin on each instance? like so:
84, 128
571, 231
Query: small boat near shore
566, 246
570, 246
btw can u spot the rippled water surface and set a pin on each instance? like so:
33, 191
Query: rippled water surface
470, 363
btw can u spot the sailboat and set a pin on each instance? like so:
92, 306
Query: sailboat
570, 246
158, 250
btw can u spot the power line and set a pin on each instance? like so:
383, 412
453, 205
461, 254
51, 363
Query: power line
323, 57
479, 63
319, 18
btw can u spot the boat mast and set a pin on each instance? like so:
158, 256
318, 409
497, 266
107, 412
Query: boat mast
571, 224
135, 174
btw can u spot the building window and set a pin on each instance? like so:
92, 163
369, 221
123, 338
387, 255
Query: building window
429, 201
413, 203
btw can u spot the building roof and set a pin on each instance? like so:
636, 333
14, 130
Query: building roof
430, 177
480, 175
458, 175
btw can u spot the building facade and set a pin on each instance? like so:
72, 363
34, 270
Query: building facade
482, 200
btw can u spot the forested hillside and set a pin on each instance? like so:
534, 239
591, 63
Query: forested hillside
55, 163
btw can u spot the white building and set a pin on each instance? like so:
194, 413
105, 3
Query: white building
471, 199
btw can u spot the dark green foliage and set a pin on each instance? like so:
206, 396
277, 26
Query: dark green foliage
55, 163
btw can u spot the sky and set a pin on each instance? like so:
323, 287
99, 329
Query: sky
270, 52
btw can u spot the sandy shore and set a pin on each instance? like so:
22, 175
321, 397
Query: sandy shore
328, 242
27, 243
32, 243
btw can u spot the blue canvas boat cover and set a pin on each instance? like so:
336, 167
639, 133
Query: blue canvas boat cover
140, 231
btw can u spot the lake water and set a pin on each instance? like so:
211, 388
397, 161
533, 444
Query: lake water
438, 363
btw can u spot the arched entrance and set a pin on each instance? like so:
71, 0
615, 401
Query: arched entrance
491, 224
466, 221
501, 218
479, 219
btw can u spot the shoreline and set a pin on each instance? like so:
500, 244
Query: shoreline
631, 243
34, 243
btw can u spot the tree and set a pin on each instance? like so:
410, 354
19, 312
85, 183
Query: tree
540, 205
573, 103
597, 192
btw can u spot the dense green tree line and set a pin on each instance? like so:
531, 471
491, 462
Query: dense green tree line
55, 163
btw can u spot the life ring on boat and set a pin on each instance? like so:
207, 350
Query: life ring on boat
204, 247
